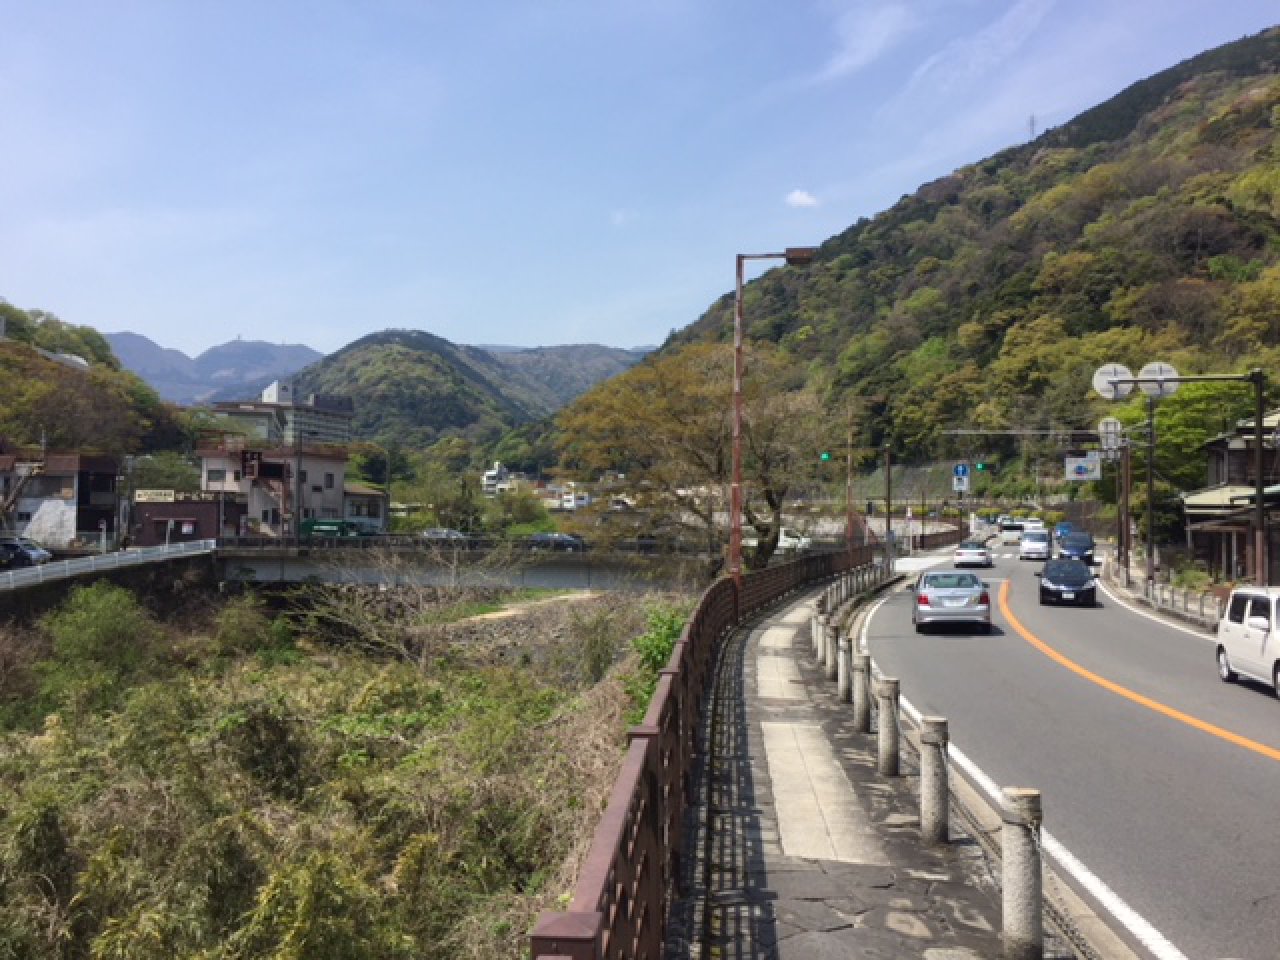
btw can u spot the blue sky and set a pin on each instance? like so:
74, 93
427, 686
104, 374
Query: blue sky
527, 172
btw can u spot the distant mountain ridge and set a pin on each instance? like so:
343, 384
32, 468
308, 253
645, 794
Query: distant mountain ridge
229, 366
409, 386
413, 388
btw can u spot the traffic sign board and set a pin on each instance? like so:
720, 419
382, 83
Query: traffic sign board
960, 470
960, 484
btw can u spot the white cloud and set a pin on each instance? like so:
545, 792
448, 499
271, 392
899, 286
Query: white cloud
967, 58
801, 198
622, 217
864, 34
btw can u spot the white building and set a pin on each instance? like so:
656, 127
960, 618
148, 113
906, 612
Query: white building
285, 486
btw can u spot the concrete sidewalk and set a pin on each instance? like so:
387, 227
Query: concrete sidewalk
807, 852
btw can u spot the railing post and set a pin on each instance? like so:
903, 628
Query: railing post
844, 670
1022, 900
574, 936
862, 693
887, 726
829, 651
935, 795
818, 648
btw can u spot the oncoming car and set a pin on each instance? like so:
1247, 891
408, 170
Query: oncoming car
1010, 531
1068, 581
972, 553
1035, 545
951, 597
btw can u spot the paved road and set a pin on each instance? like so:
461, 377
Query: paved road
1177, 819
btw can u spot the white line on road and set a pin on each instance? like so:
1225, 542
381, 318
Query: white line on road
1151, 938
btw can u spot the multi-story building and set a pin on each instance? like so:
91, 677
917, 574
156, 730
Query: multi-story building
61, 500
278, 419
283, 486
1220, 517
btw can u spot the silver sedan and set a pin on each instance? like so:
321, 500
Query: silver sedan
951, 597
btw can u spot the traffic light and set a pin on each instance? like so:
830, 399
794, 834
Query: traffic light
826, 455
980, 466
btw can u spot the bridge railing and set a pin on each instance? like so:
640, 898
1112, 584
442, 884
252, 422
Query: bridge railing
62, 569
620, 904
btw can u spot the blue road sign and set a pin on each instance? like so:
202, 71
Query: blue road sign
960, 470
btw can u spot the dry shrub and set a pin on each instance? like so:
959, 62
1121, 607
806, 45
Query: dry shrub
580, 758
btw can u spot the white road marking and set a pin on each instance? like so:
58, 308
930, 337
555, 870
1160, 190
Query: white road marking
1111, 902
1198, 634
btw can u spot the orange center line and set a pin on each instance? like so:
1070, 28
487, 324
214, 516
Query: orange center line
1154, 705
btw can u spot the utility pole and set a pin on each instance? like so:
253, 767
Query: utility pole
888, 507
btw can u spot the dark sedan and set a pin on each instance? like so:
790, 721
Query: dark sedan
1076, 546
1068, 581
557, 541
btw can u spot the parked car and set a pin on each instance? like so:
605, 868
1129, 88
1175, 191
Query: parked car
21, 552
1248, 639
557, 541
443, 536
1068, 581
1062, 529
972, 553
789, 540
951, 597
1035, 545
1077, 546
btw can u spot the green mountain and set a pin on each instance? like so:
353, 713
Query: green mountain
412, 388
1147, 228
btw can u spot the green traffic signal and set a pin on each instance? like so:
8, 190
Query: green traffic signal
826, 455
981, 466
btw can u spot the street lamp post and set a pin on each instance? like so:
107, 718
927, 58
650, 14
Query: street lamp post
794, 256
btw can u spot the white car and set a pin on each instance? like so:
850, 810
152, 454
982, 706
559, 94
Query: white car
1248, 639
972, 553
1035, 545
1010, 531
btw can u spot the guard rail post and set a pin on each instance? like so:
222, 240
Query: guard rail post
861, 693
1022, 893
887, 726
935, 795
844, 670
829, 668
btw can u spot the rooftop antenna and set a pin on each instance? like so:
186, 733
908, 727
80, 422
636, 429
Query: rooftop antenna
1031, 125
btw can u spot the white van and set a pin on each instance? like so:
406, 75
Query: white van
1248, 637
1010, 531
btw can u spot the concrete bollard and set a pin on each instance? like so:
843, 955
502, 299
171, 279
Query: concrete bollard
844, 670
829, 651
1022, 899
862, 693
935, 794
887, 726
819, 636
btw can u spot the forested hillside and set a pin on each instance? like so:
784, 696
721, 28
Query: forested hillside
1146, 229
412, 388
73, 406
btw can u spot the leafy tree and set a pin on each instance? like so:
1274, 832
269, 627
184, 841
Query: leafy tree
166, 470
667, 424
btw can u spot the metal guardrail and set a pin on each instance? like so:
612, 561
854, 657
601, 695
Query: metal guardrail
619, 906
66, 569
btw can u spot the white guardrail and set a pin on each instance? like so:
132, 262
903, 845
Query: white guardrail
64, 569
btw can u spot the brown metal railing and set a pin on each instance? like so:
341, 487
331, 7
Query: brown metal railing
619, 906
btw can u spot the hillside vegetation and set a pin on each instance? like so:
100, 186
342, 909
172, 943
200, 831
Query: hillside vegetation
1146, 229
412, 388
94, 407
233, 784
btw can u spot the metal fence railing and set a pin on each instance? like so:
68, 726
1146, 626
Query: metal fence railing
65, 569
